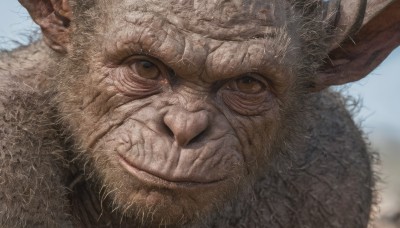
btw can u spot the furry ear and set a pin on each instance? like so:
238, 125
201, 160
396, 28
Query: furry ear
363, 50
53, 17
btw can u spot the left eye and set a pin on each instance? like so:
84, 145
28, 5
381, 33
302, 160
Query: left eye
145, 69
247, 84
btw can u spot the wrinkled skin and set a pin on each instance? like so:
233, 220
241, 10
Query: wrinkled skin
175, 136
186, 113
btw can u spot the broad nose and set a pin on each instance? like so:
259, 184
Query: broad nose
186, 126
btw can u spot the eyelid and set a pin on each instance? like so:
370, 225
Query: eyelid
129, 60
164, 69
255, 76
114, 61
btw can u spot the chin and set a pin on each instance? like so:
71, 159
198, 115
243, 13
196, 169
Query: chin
144, 196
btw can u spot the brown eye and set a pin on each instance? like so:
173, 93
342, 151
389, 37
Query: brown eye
248, 85
247, 95
146, 69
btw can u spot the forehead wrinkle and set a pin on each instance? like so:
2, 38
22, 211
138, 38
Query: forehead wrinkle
146, 35
249, 19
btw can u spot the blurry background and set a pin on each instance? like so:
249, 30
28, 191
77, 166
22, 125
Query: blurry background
379, 116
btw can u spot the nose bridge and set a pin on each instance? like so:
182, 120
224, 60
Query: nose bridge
186, 125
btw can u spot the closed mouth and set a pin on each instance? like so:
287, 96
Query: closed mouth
162, 181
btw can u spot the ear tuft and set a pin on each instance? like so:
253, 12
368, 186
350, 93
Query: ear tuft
54, 18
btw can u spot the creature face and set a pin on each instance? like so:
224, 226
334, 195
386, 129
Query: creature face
177, 109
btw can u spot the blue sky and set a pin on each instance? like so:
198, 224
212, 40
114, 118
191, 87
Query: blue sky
380, 91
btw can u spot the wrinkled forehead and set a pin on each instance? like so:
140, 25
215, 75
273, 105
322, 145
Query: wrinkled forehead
219, 19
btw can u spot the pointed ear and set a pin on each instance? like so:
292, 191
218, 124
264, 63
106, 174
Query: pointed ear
53, 17
364, 50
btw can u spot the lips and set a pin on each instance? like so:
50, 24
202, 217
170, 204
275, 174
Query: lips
163, 180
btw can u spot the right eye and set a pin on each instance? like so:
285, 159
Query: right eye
146, 69
140, 76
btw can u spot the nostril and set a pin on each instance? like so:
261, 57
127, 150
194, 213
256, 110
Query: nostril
198, 137
186, 127
168, 131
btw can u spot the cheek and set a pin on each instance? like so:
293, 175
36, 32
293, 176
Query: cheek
94, 108
257, 134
